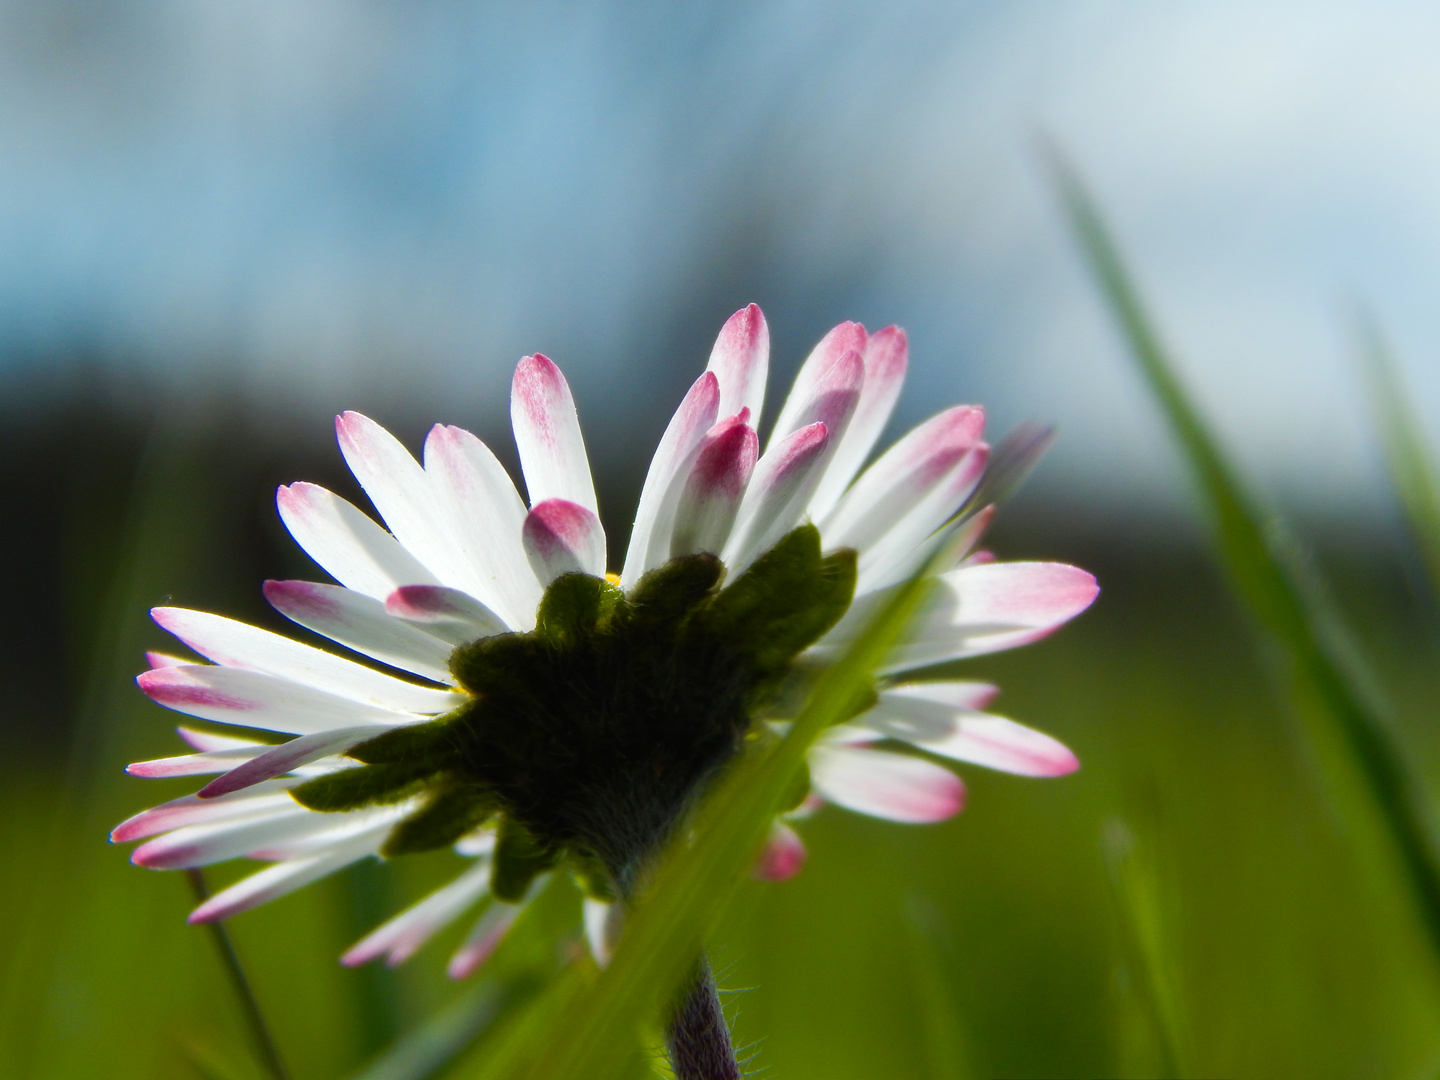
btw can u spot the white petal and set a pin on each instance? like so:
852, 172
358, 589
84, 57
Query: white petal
370, 825
451, 614
201, 845
210, 761
918, 533
562, 537
193, 810
993, 606
486, 514
405, 497
400, 937
740, 362
489, 931
361, 622
710, 496
846, 338
775, 501
275, 881
547, 433
209, 740
687, 427
889, 786
901, 476
249, 698
286, 758
954, 693
886, 356
353, 549
603, 923
239, 645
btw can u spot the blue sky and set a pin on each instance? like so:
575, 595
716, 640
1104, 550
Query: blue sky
338, 204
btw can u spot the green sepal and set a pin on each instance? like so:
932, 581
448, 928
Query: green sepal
450, 813
590, 874
785, 601
573, 606
432, 742
350, 789
668, 593
519, 859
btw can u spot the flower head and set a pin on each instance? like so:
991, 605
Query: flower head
562, 717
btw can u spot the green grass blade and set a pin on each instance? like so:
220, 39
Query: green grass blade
1262, 564
434, 1045
1136, 886
934, 996
1411, 472
598, 1034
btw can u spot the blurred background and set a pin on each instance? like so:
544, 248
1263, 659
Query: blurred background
222, 223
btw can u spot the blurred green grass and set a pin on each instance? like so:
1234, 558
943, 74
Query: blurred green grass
1295, 957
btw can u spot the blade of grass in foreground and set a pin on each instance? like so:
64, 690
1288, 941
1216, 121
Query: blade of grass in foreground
934, 999
598, 1034
1137, 891
1411, 472
1264, 570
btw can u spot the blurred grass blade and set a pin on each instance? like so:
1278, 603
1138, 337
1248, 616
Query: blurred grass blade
1262, 565
1411, 472
429, 1049
598, 1035
256, 1028
934, 997
1156, 971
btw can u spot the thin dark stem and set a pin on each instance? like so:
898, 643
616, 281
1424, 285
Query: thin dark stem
254, 1019
697, 1038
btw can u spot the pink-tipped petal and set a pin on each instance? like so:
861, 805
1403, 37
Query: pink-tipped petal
399, 938
547, 433
253, 699
886, 357
449, 614
275, 881
489, 931
740, 361
361, 623
403, 494
999, 743
915, 536
353, 549
201, 845
783, 854
902, 476
774, 502
844, 339
193, 810
884, 785
562, 537
239, 645
202, 764
209, 740
987, 607
160, 659
485, 514
285, 757
681, 440
712, 492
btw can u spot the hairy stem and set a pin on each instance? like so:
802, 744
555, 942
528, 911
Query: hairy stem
697, 1037
254, 1019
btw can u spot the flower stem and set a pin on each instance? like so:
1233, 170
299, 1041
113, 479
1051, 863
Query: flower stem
254, 1019
697, 1037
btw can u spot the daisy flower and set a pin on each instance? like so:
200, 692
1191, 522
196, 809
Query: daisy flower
516, 702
